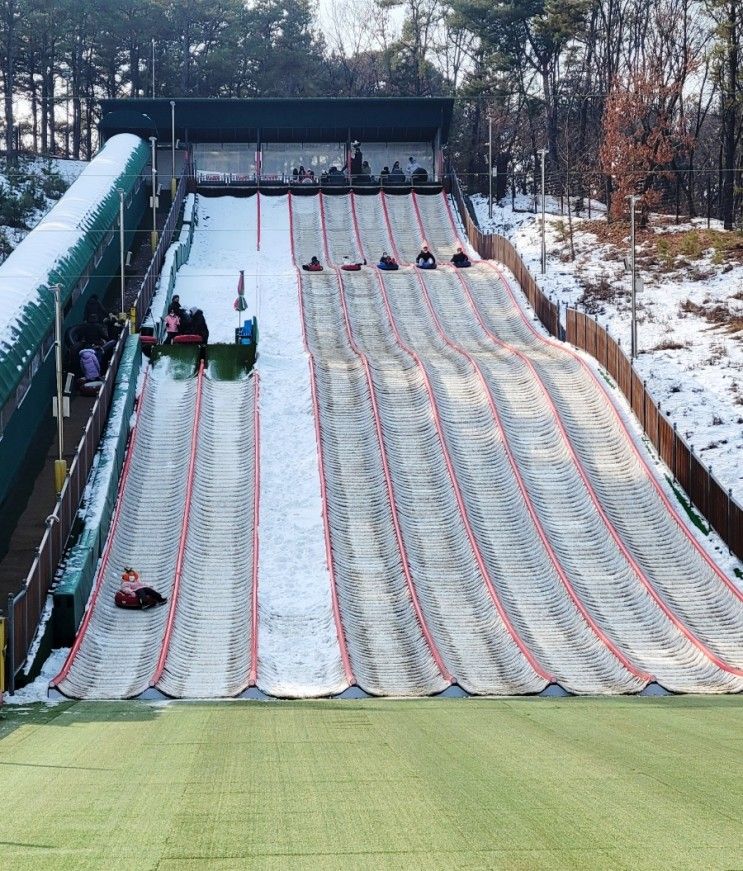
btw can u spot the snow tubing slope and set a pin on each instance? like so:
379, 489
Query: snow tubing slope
165, 524
530, 540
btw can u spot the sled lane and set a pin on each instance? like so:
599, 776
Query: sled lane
403, 225
436, 228
116, 651
209, 651
389, 644
613, 592
338, 228
306, 229
694, 592
447, 569
371, 227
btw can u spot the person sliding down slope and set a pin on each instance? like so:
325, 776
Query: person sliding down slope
134, 594
387, 263
425, 259
460, 259
313, 266
348, 266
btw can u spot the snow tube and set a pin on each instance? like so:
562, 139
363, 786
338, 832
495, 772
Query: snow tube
351, 267
188, 339
312, 267
126, 600
463, 265
388, 267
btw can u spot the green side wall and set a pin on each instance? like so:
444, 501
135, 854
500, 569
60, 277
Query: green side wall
73, 590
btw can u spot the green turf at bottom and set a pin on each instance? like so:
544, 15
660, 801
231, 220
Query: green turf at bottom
528, 784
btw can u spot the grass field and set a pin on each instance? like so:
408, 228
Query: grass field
538, 783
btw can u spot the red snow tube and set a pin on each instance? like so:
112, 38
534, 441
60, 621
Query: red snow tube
126, 600
351, 267
188, 339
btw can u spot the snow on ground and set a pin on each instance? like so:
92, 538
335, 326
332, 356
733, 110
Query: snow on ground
690, 343
38, 689
37, 168
298, 651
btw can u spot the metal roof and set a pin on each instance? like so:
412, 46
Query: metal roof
317, 119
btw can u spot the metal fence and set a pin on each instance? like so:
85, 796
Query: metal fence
25, 608
151, 276
711, 500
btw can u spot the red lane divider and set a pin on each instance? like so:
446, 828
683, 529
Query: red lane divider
258, 221
451, 220
554, 559
324, 229
611, 529
460, 500
252, 679
418, 216
291, 227
324, 497
390, 234
390, 490
360, 247
100, 575
160, 667
617, 416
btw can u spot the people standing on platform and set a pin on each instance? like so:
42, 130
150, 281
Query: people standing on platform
356, 160
172, 325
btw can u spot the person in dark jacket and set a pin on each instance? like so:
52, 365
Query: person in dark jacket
356, 160
313, 266
92, 332
396, 176
425, 259
198, 325
460, 259
95, 307
175, 304
387, 263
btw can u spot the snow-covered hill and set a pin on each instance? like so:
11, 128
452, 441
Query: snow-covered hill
690, 313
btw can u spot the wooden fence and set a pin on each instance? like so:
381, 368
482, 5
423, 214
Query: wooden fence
711, 500
26, 607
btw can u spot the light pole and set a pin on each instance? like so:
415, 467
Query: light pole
490, 167
153, 234
121, 247
543, 153
153, 67
172, 148
60, 464
633, 327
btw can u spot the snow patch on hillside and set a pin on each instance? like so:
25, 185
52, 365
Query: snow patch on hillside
689, 350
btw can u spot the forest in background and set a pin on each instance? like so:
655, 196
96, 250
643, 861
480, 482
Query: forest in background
625, 96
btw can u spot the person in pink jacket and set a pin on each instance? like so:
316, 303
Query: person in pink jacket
172, 325
134, 594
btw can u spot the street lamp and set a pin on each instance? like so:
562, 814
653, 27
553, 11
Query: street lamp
543, 153
60, 464
172, 148
121, 246
153, 67
633, 198
490, 167
153, 234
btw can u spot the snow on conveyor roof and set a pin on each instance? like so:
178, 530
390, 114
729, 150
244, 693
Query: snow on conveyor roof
27, 272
